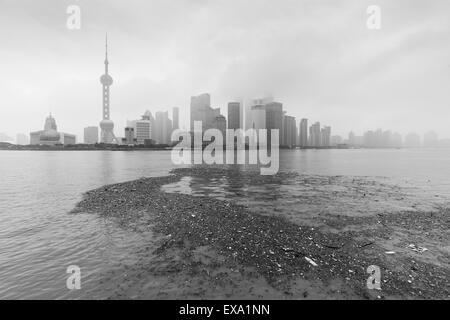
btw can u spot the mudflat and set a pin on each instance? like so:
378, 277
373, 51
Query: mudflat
209, 248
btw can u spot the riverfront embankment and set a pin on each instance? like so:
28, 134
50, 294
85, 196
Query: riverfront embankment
205, 247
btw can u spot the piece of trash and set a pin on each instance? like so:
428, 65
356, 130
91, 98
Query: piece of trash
390, 252
311, 261
417, 249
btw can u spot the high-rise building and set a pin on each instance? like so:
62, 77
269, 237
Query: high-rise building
220, 123
314, 135
248, 109
258, 117
22, 139
234, 115
200, 110
142, 130
289, 133
175, 118
163, 127
274, 119
129, 136
91, 135
325, 137
106, 125
304, 133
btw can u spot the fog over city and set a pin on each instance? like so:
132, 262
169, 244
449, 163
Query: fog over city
316, 57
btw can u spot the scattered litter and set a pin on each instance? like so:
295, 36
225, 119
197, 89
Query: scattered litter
417, 249
311, 261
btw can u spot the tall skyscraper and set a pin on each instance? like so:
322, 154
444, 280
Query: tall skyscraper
163, 127
91, 135
289, 133
220, 123
274, 119
304, 133
201, 111
175, 118
258, 117
314, 135
325, 137
234, 115
106, 125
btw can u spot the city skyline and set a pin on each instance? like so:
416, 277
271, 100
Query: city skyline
158, 67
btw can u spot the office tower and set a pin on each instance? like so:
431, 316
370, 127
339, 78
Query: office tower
106, 125
220, 123
234, 115
412, 140
22, 139
129, 136
91, 135
175, 118
142, 130
325, 135
274, 118
248, 109
200, 106
258, 117
163, 127
314, 135
289, 131
304, 133
430, 139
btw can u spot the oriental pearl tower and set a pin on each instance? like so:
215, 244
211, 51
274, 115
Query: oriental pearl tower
106, 125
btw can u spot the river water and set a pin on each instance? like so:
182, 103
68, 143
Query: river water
39, 238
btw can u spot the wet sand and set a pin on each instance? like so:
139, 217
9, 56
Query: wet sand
209, 248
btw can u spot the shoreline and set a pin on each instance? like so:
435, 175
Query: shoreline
207, 248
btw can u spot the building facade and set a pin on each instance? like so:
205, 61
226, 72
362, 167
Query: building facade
91, 135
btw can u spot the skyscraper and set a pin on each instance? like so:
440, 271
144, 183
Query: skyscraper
91, 135
163, 127
314, 135
175, 118
106, 125
289, 133
234, 115
304, 133
143, 129
325, 137
201, 111
274, 119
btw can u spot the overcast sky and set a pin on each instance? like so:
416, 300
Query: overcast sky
317, 57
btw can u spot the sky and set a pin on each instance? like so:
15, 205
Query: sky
317, 57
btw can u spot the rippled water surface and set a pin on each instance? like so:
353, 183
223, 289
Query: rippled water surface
39, 239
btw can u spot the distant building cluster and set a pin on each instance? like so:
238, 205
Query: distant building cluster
263, 113
387, 139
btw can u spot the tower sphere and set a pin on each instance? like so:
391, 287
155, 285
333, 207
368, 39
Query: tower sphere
106, 80
106, 124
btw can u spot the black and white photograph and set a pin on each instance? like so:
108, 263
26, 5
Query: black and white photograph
254, 151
